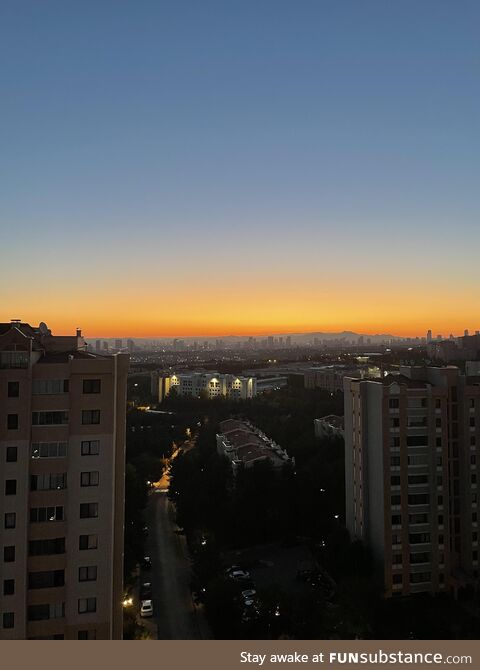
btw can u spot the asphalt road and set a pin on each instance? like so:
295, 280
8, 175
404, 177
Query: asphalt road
175, 615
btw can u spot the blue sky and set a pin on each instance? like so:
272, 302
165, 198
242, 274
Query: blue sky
303, 138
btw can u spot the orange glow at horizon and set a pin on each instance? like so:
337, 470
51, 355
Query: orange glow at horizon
252, 309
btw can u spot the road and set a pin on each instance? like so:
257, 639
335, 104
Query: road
175, 615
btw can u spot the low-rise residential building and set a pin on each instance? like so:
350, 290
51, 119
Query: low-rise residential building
330, 377
244, 445
207, 385
329, 426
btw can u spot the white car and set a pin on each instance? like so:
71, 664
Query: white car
146, 608
249, 594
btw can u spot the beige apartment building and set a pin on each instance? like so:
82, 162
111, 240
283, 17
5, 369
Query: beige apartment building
62, 463
411, 466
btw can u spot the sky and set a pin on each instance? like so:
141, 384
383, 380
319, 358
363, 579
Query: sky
240, 166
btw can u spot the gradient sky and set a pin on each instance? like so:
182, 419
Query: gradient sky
190, 167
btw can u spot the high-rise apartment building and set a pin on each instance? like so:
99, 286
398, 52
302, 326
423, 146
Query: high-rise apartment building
411, 461
62, 466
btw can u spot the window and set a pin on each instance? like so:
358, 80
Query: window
417, 440
472, 422
46, 547
87, 574
422, 557
90, 447
43, 514
419, 538
49, 449
394, 423
395, 480
87, 634
417, 518
8, 620
394, 403
418, 499
49, 482
47, 611
10, 520
88, 510
397, 579
396, 520
92, 385
8, 587
12, 421
11, 455
9, 554
10, 487
395, 461
90, 417
49, 386
396, 500
86, 605
14, 360
46, 579
13, 389
417, 479
89, 478
50, 418
420, 577
88, 542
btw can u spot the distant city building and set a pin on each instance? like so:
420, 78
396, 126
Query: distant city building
244, 445
62, 446
98, 346
459, 349
266, 384
429, 336
289, 341
330, 377
206, 384
130, 346
329, 426
118, 344
411, 470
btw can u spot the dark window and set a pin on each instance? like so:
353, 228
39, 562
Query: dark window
13, 389
420, 577
49, 482
394, 461
397, 579
422, 557
10, 487
419, 538
396, 520
43, 514
47, 611
12, 421
10, 520
395, 480
90, 417
50, 418
87, 542
418, 499
46, 579
418, 479
86, 605
87, 573
9, 554
89, 478
87, 634
8, 620
472, 421
90, 447
8, 587
46, 547
394, 403
11, 455
396, 500
417, 440
88, 510
92, 385
49, 386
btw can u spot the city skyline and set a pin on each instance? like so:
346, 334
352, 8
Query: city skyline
246, 169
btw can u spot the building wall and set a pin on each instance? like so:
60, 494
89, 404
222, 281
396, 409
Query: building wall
106, 621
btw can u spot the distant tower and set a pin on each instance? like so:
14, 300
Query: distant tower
429, 335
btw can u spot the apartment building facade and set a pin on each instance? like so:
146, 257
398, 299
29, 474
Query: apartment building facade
62, 466
206, 384
411, 470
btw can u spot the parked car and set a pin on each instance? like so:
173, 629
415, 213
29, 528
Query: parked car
146, 608
239, 575
146, 563
146, 591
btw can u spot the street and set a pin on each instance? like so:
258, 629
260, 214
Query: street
175, 615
